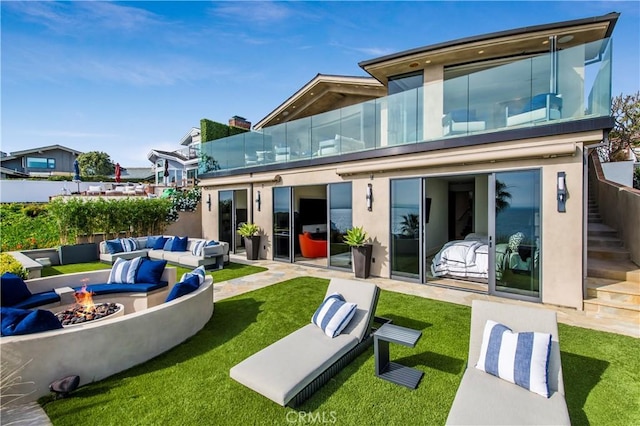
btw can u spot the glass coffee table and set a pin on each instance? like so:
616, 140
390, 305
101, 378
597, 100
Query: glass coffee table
392, 371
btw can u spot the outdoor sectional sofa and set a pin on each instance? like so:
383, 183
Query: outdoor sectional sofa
214, 256
291, 369
100, 349
58, 290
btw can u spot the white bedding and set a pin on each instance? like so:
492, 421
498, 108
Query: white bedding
467, 259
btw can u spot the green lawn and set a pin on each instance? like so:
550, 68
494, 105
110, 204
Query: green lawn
230, 271
190, 384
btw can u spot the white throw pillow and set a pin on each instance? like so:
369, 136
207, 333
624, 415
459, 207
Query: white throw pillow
199, 272
124, 271
520, 358
334, 314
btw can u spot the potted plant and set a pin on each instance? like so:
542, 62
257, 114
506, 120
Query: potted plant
356, 238
250, 232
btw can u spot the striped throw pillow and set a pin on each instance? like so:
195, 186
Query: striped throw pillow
124, 271
128, 244
198, 272
334, 314
519, 358
196, 250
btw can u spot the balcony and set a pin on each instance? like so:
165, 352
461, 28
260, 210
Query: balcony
568, 85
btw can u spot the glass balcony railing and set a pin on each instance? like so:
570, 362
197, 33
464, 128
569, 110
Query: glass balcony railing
571, 84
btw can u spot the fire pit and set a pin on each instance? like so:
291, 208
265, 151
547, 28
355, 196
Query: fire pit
85, 310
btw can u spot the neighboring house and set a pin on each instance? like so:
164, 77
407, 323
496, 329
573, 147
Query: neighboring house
180, 165
465, 164
39, 162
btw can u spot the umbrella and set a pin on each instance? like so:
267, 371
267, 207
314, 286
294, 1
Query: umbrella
76, 170
118, 172
166, 171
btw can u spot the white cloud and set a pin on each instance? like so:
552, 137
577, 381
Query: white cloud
256, 12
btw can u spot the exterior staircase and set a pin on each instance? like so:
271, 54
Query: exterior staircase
613, 281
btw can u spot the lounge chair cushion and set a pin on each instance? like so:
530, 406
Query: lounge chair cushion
483, 399
23, 321
13, 289
333, 314
519, 358
124, 271
283, 369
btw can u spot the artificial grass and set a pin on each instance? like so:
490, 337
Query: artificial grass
230, 271
190, 384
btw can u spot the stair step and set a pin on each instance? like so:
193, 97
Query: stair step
608, 253
600, 230
604, 242
615, 270
624, 310
611, 290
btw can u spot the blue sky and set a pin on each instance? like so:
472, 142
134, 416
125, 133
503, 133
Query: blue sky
126, 77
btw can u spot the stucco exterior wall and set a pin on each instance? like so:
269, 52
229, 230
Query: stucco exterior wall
561, 233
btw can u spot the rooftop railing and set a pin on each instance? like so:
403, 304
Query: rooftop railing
570, 84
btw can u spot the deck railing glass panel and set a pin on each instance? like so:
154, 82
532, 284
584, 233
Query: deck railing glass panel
535, 91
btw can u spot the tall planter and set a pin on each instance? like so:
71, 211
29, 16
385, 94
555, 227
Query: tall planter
362, 260
252, 247
78, 253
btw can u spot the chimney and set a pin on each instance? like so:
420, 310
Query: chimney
240, 122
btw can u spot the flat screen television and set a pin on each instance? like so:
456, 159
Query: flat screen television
313, 211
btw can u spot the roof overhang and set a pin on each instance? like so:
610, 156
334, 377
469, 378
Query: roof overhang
192, 134
524, 41
42, 149
324, 93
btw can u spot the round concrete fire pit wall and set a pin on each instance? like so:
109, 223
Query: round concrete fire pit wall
99, 350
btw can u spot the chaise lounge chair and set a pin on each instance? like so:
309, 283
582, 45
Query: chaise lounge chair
293, 368
485, 399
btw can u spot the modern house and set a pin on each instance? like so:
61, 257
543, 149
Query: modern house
176, 167
465, 162
39, 162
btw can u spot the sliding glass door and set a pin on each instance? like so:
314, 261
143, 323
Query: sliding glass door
515, 228
340, 219
282, 224
232, 211
407, 228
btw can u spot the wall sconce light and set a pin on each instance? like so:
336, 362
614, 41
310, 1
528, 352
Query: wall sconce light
258, 200
369, 197
209, 201
562, 192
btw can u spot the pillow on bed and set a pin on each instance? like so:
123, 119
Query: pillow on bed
520, 358
515, 240
334, 314
476, 236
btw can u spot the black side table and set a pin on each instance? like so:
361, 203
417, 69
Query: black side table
391, 371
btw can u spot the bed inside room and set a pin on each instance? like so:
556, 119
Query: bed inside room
457, 236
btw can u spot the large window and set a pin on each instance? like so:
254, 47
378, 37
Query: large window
404, 82
405, 227
517, 232
41, 163
340, 220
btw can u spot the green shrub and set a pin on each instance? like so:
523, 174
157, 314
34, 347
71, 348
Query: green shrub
9, 264
26, 227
